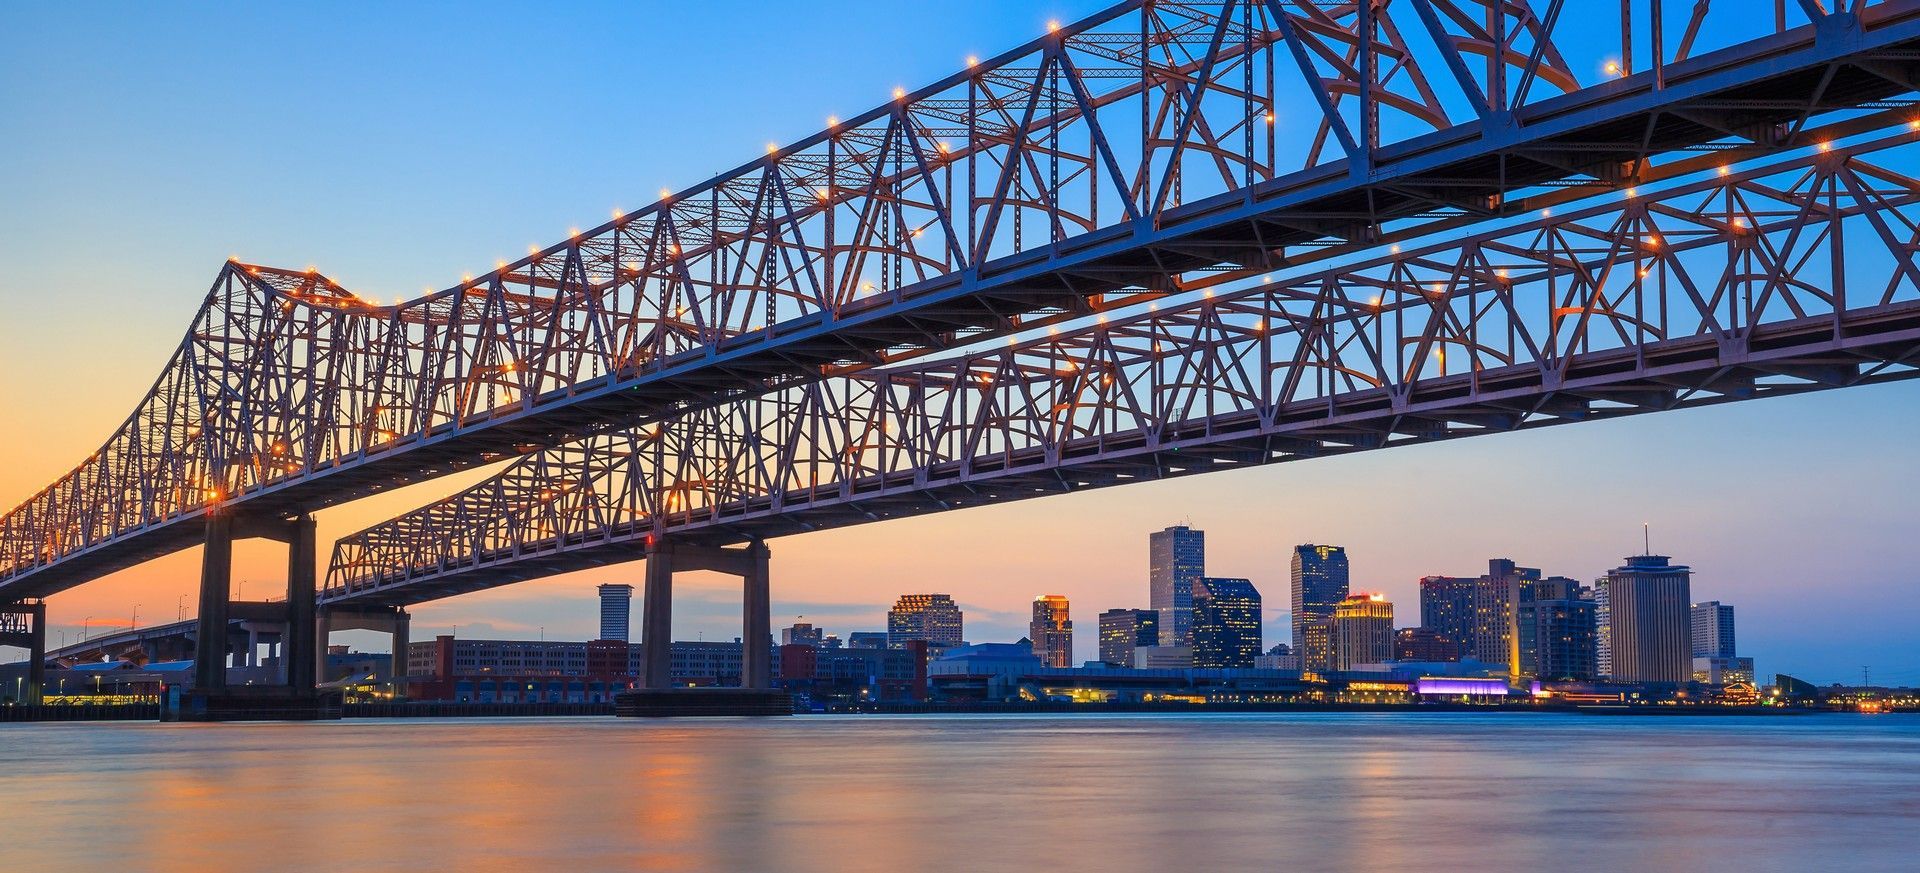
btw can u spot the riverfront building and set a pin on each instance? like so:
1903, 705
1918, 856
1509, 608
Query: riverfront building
1176, 558
1362, 631
1319, 583
616, 610
1051, 631
1123, 630
1226, 622
1712, 626
1446, 609
1558, 634
934, 618
1649, 623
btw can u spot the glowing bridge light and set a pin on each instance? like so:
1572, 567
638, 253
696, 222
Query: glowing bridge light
1053, 26
899, 93
1612, 68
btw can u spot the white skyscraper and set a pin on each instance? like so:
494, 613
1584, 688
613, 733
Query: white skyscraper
616, 607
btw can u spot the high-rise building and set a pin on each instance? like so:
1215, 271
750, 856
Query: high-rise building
1496, 613
1362, 631
1712, 625
1558, 633
931, 617
1176, 557
1316, 653
1446, 609
1226, 622
1319, 582
1051, 631
801, 634
1424, 644
1649, 628
616, 611
1602, 629
1123, 630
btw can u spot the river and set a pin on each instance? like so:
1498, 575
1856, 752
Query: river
1180, 794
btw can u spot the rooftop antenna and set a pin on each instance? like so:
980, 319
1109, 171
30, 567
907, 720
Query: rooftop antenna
1646, 537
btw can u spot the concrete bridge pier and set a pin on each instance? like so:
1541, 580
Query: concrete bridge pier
25, 625
299, 652
751, 563
211, 698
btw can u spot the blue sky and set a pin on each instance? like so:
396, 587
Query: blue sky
399, 146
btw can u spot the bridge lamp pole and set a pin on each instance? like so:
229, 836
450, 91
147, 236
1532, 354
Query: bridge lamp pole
86, 627
136, 617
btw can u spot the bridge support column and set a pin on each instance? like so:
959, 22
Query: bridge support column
322, 637
216, 578
297, 649
25, 625
756, 696
756, 624
402, 627
750, 563
656, 616
212, 697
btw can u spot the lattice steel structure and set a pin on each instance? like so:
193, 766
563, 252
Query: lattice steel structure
1111, 160
1759, 281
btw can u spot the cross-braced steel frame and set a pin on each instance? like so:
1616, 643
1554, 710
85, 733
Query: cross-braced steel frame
1795, 275
1115, 159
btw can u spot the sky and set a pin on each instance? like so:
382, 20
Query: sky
397, 146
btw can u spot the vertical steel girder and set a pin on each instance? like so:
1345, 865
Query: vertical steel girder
1114, 160
1794, 275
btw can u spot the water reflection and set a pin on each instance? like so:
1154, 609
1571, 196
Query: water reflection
1306, 792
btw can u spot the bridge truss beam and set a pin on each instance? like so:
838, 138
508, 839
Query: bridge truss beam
1797, 275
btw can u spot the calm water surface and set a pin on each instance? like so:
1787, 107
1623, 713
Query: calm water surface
1182, 794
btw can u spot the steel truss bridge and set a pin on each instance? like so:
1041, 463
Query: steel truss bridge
812, 338
1793, 276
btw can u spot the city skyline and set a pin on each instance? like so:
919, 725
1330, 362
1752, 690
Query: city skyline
1758, 540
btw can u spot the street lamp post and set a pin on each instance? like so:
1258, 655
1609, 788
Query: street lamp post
136, 617
86, 627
